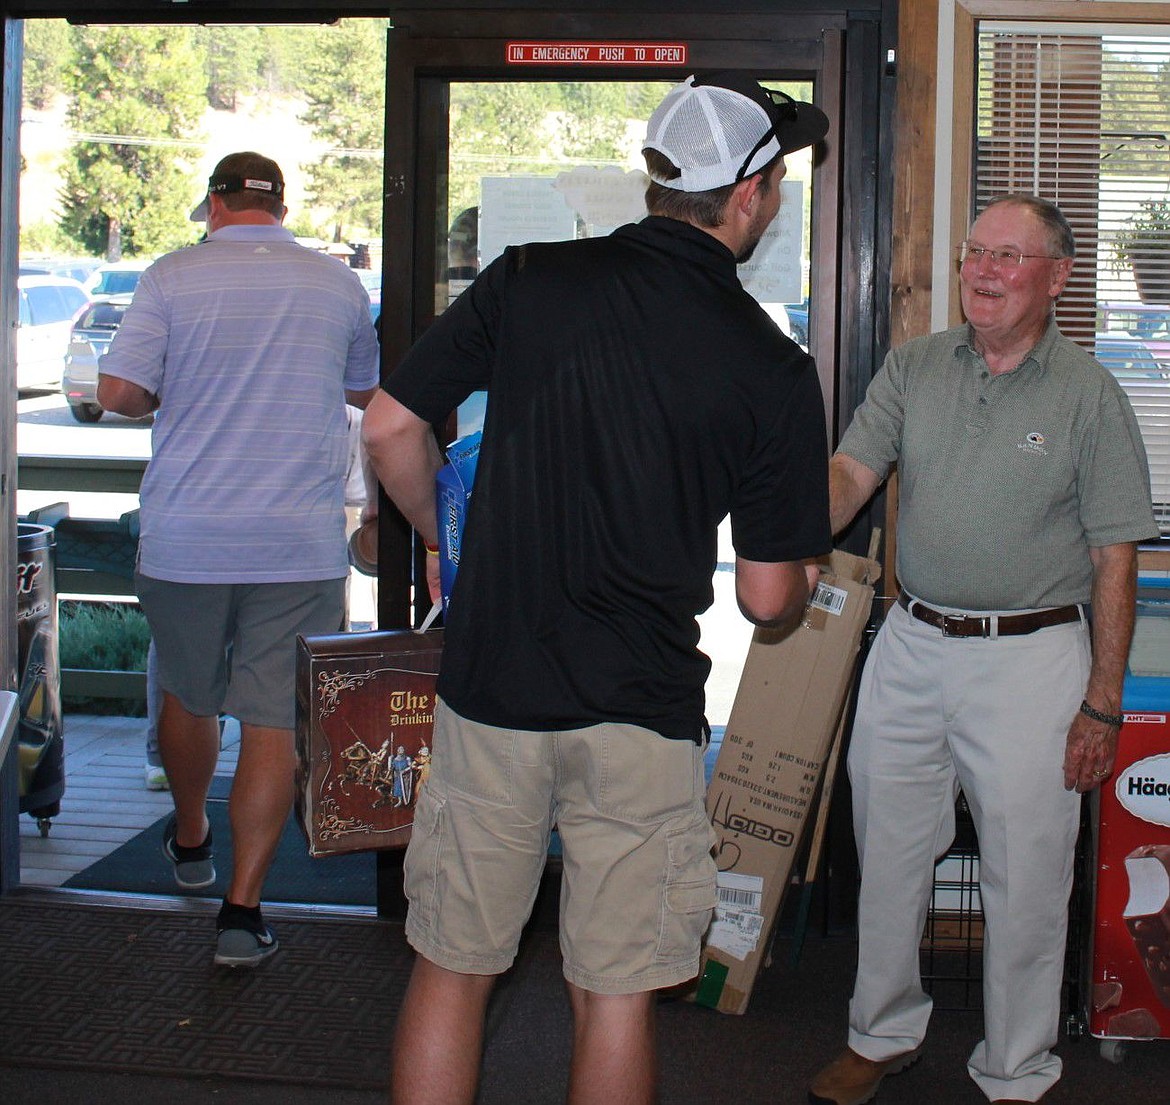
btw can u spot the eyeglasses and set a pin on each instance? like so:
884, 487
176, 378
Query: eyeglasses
1000, 258
783, 111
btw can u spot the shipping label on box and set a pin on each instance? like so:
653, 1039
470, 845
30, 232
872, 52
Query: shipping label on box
790, 700
365, 715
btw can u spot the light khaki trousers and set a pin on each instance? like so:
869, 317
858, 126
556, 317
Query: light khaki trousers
934, 714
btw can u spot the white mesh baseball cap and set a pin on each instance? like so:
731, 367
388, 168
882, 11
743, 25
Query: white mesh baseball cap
719, 128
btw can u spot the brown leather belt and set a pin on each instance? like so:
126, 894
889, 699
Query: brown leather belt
1002, 625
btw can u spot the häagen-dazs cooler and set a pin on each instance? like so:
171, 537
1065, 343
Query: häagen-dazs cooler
1129, 993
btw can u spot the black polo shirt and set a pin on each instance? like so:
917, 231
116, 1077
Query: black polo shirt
636, 395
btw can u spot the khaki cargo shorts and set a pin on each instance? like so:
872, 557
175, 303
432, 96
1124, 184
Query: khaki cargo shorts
638, 884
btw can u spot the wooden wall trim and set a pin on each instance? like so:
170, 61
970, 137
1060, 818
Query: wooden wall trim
962, 146
1083, 11
914, 158
917, 88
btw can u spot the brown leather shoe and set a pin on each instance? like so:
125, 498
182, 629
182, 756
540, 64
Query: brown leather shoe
851, 1079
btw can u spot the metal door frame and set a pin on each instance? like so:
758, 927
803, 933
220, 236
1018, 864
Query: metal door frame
836, 52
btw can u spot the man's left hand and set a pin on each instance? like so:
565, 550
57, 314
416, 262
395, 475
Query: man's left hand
433, 577
1088, 753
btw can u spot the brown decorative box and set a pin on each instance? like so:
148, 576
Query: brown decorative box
365, 713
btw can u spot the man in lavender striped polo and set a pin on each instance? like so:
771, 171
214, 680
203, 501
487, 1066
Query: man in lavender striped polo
247, 347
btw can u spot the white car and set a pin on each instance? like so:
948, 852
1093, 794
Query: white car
48, 306
116, 278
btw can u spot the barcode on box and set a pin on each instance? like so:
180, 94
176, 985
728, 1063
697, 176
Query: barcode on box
739, 892
831, 599
743, 898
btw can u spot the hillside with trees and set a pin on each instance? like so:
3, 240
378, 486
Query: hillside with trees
137, 100
141, 103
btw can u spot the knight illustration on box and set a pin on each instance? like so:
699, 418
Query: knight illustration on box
422, 764
392, 778
365, 719
402, 770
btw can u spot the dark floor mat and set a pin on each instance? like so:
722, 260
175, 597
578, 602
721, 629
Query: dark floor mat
123, 990
138, 867
91, 994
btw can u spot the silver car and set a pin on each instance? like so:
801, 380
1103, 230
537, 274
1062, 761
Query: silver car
92, 333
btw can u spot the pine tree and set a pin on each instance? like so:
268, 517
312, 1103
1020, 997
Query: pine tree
138, 95
343, 82
46, 48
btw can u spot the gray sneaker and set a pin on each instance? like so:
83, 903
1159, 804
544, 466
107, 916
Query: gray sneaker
194, 868
243, 938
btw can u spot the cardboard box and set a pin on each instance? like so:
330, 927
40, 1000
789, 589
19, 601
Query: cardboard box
365, 714
453, 483
791, 698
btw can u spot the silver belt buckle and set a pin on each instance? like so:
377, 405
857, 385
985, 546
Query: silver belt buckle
951, 624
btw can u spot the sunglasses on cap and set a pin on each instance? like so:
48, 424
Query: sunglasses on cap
783, 110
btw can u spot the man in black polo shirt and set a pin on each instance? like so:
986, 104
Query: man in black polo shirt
637, 395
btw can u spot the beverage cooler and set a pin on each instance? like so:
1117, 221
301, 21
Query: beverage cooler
1128, 996
40, 732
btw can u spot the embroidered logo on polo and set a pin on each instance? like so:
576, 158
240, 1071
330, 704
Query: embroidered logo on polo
1034, 443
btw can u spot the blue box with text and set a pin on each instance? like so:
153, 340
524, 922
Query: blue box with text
453, 484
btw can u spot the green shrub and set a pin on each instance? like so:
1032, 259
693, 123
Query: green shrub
103, 636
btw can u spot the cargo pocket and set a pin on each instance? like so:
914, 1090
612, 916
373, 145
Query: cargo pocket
424, 858
688, 896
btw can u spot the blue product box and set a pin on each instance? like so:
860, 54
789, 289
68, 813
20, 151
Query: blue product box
1147, 676
453, 493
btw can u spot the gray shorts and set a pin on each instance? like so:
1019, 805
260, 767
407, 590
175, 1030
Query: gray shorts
638, 882
231, 647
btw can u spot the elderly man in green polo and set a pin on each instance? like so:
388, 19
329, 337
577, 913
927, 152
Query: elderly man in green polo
1023, 493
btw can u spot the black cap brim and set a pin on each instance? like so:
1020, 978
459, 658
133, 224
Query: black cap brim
808, 128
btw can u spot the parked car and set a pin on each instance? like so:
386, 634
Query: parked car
1145, 378
92, 333
798, 322
47, 307
1149, 322
792, 318
1127, 356
116, 278
76, 268
372, 281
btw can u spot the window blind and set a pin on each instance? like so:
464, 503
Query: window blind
1082, 117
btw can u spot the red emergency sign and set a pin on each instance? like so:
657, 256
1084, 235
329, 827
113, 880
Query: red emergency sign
596, 53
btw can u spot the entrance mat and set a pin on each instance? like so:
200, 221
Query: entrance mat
138, 867
112, 989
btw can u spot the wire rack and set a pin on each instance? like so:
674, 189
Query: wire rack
952, 940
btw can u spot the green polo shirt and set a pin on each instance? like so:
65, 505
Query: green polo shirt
1005, 482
